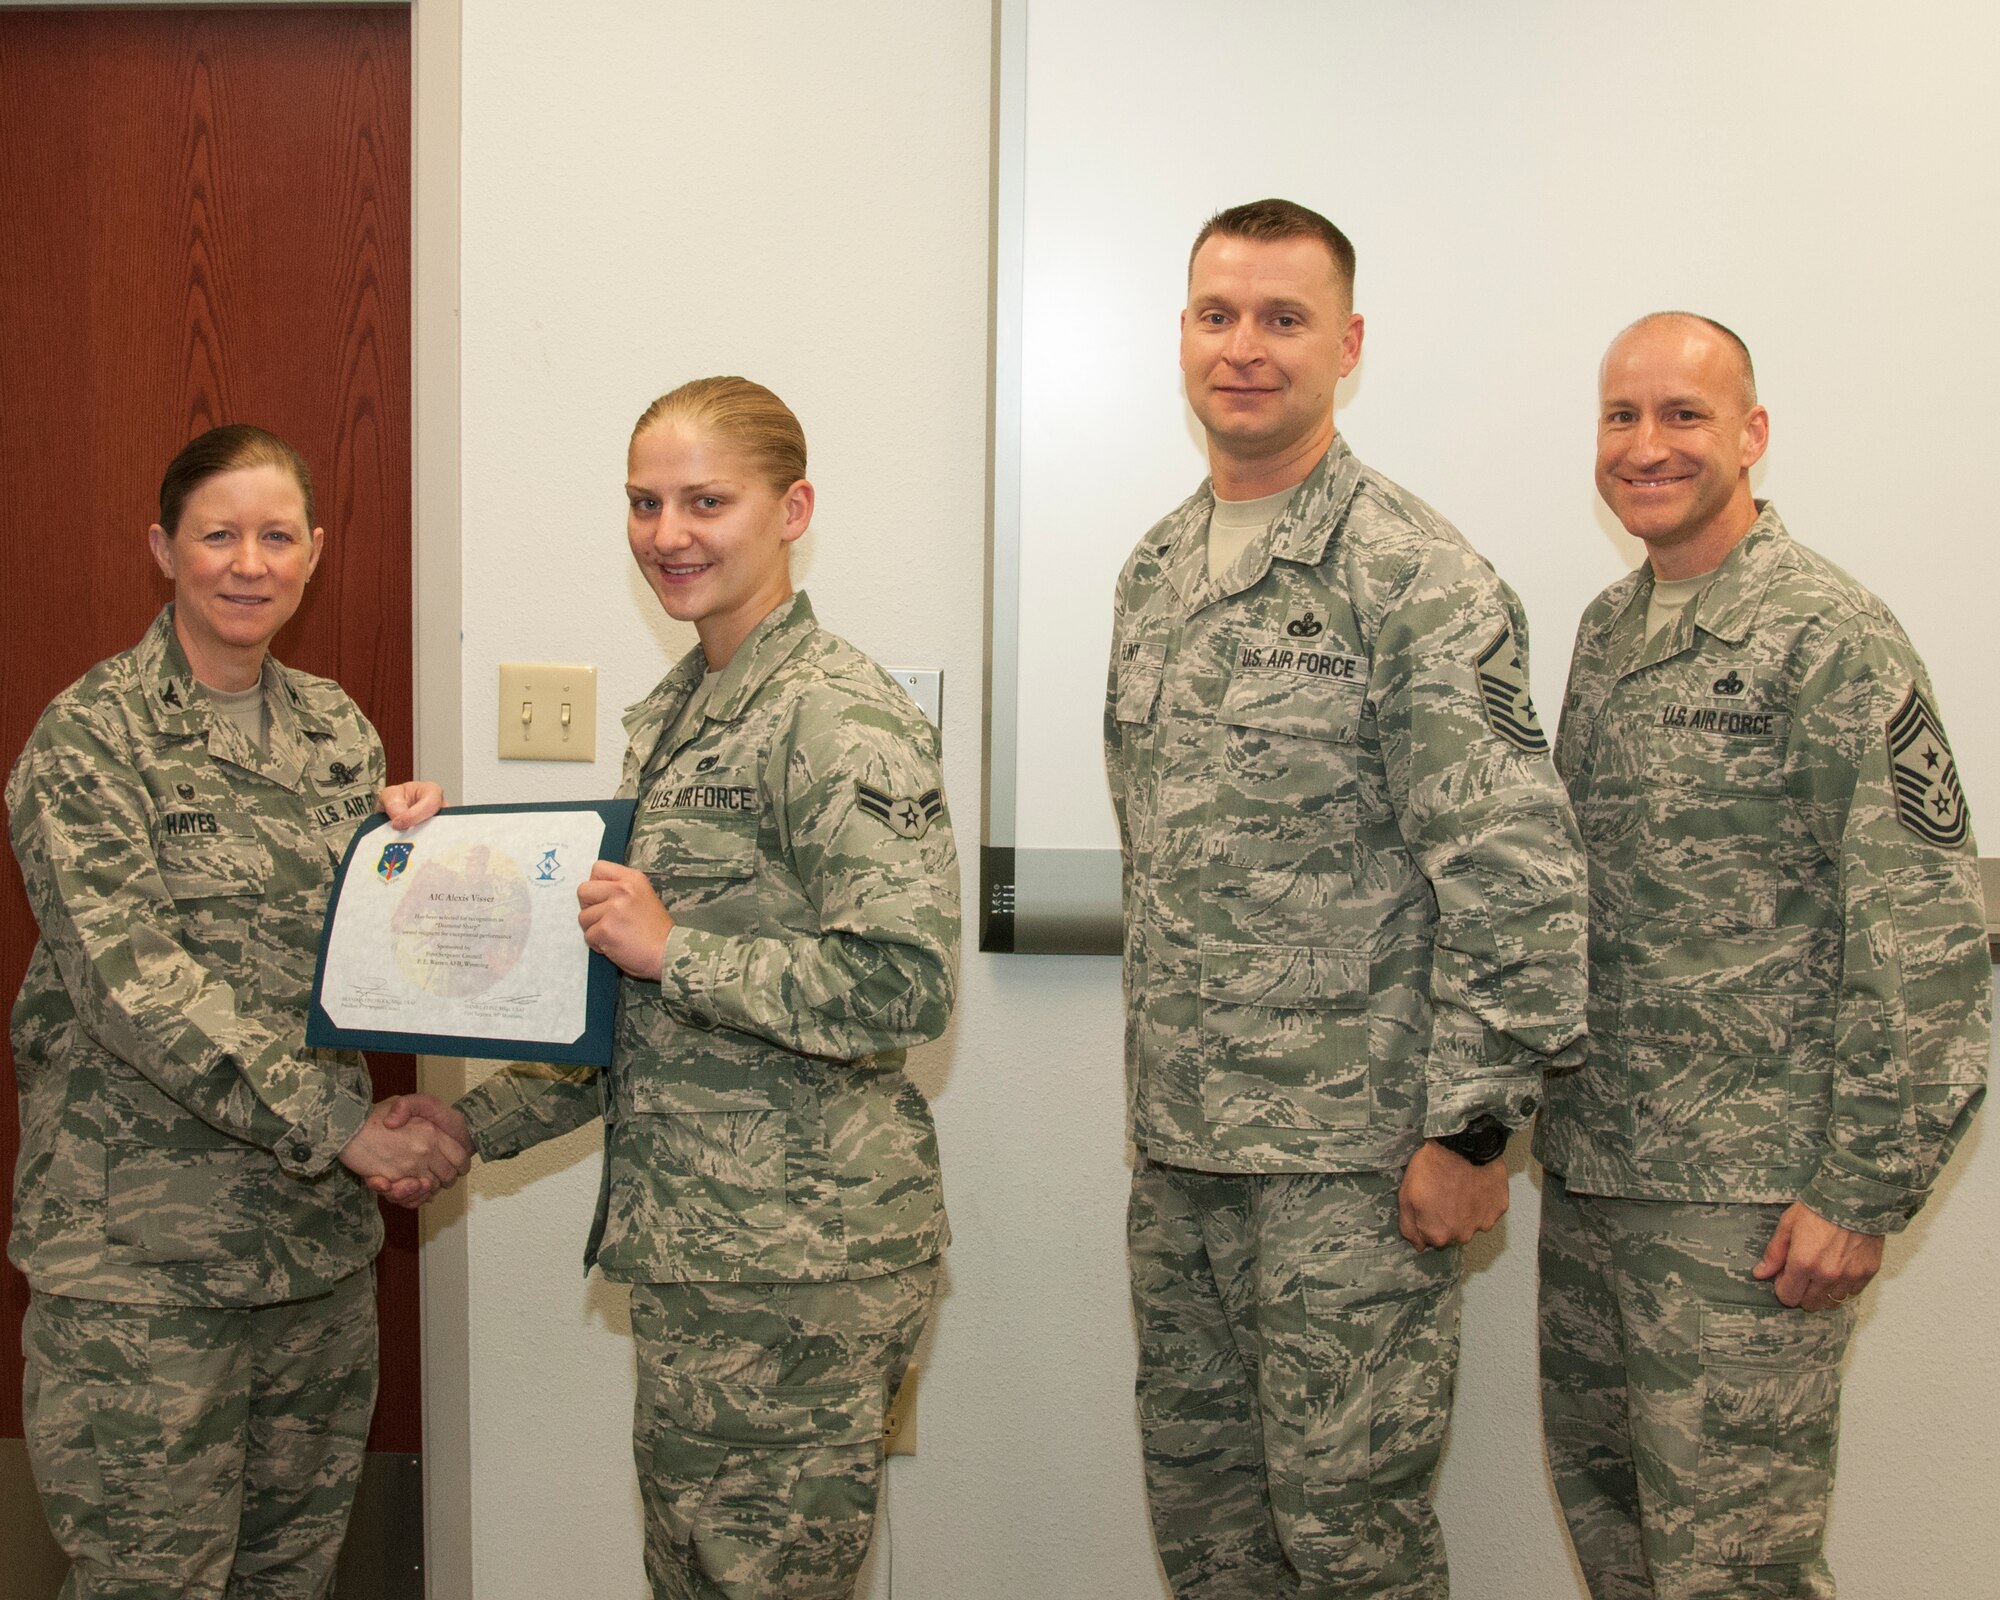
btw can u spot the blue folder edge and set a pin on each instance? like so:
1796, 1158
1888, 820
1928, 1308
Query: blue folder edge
591, 1048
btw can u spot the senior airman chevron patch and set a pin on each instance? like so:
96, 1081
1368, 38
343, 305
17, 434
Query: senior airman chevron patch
1503, 690
907, 818
1929, 801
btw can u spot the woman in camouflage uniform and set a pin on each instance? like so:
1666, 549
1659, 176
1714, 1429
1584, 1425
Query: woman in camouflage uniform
200, 1338
788, 924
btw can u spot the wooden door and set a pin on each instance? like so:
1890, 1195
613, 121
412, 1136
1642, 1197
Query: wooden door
204, 218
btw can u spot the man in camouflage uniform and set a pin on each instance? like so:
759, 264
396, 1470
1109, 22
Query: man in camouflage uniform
771, 1186
200, 1341
1354, 936
1789, 1000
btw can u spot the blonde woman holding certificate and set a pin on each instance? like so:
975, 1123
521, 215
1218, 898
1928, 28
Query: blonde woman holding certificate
787, 925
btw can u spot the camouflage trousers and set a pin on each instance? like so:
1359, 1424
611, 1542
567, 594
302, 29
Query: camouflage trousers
758, 1429
1690, 1418
1296, 1361
193, 1453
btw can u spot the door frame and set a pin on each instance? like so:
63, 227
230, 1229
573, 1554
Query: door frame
436, 672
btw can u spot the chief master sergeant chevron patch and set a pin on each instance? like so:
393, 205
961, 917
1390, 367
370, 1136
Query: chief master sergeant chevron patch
1929, 801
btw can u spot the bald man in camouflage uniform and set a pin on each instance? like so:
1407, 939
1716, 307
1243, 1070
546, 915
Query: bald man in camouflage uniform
1789, 1001
1354, 936
200, 1342
771, 1186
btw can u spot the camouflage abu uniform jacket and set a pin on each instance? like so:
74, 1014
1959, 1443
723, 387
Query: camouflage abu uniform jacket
758, 1124
1790, 990
179, 1143
1354, 897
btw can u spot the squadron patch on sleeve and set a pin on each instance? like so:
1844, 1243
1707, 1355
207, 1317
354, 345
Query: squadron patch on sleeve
1503, 690
1929, 801
906, 818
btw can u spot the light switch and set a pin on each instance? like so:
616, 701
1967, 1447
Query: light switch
926, 686
548, 712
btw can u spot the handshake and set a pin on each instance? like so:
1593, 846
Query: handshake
411, 1147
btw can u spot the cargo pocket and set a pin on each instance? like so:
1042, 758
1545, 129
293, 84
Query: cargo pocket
748, 1477
164, 1204
703, 1167
95, 1437
1284, 1036
1382, 1328
1770, 1420
1712, 1076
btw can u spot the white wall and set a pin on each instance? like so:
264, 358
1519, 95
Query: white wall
799, 192
1520, 181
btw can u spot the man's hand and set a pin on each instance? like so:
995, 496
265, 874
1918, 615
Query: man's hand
623, 919
415, 1158
447, 1119
1446, 1200
407, 804
1817, 1263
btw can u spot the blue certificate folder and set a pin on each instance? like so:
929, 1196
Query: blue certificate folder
591, 1048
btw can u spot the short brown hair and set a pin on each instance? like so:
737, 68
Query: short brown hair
227, 449
743, 414
1267, 221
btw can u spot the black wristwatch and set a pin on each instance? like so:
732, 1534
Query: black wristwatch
1480, 1141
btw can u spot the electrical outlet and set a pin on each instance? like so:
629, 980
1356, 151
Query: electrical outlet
899, 1430
548, 712
926, 686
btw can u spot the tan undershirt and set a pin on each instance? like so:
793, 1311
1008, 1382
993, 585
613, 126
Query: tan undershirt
1234, 525
1669, 599
246, 709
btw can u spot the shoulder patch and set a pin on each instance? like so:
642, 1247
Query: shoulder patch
1503, 691
1929, 801
907, 818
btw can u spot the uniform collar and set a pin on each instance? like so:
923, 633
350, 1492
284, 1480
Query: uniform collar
766, 648
1300, 533
1727, 607
180, 709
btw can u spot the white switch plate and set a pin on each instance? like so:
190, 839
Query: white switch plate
926, 686
548, 711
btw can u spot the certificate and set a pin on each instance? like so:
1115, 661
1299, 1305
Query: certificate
459, 936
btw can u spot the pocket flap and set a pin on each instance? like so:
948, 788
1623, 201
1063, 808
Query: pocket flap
1695, 1017
1297, 702
201, 869
1776, 1336
1293, 977
694, 844
1140, 665
759, 1416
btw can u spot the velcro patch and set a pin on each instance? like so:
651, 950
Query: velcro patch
1503, 690
906, 818
1929, 801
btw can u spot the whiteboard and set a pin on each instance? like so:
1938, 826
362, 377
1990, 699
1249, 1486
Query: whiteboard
1520, 181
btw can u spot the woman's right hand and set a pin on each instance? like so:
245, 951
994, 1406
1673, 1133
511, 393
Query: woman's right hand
399, 1154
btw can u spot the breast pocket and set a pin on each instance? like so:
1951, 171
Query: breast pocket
1135, 707
214, 866
1284, 1036
1711, 819
694, 858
